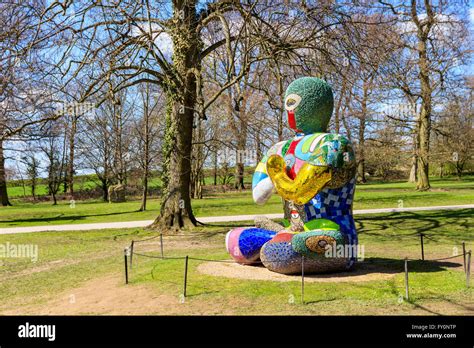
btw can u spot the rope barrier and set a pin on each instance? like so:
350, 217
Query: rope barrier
130, 252
144, 240
261, 262
444, 258
161, 257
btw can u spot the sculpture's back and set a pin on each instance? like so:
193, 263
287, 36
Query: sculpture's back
314, 173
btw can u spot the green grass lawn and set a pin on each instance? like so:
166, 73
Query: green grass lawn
69, 260
382, 195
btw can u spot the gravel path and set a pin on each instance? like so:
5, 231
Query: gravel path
361, 273
211, 219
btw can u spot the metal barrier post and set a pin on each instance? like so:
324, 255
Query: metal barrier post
126, 265
464, 255
185, 275
161, 245
468, 269
131, 254
422, 248
302, 279
406, 278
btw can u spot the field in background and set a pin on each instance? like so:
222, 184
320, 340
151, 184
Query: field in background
377, 195
82, 273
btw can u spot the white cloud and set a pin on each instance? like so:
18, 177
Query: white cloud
161, 38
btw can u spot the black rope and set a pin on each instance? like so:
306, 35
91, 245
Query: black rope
444, 258
160, 257
144, 240
268, 261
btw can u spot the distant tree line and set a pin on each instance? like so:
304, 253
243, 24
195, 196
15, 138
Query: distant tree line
193, 90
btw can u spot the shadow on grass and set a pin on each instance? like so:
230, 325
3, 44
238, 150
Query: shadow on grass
389, 266
61, 217
452, 224
442, 299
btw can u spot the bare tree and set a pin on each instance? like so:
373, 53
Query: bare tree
431, 34
147, 129
53, 145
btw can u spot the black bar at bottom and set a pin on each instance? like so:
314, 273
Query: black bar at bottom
214, 329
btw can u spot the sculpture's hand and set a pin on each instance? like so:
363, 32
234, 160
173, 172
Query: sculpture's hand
262, 191
308, 182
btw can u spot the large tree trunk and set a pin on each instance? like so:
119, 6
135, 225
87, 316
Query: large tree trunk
423, 182
176, 212
3, 180
176, 209
423, 29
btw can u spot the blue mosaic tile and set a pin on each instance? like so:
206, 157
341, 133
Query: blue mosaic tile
252, 239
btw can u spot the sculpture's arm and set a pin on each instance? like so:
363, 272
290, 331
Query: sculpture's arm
329, 162
262, 185
308, 182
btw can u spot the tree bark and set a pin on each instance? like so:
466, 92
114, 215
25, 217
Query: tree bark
176, 209
423, 29
176, 212
3, 180
105, 190
337, 109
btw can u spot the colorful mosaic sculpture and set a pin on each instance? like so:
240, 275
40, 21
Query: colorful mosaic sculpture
314, 173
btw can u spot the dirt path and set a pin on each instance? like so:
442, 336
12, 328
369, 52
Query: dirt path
105, 295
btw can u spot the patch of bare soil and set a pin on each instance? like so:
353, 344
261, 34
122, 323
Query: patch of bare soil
108, 295
235, 270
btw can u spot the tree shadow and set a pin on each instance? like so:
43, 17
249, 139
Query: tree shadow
388, 266
321, 301
61, 217
436, 222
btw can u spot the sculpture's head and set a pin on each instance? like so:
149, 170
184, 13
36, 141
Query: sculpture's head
309, 102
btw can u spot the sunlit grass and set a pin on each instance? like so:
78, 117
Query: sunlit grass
69, 259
